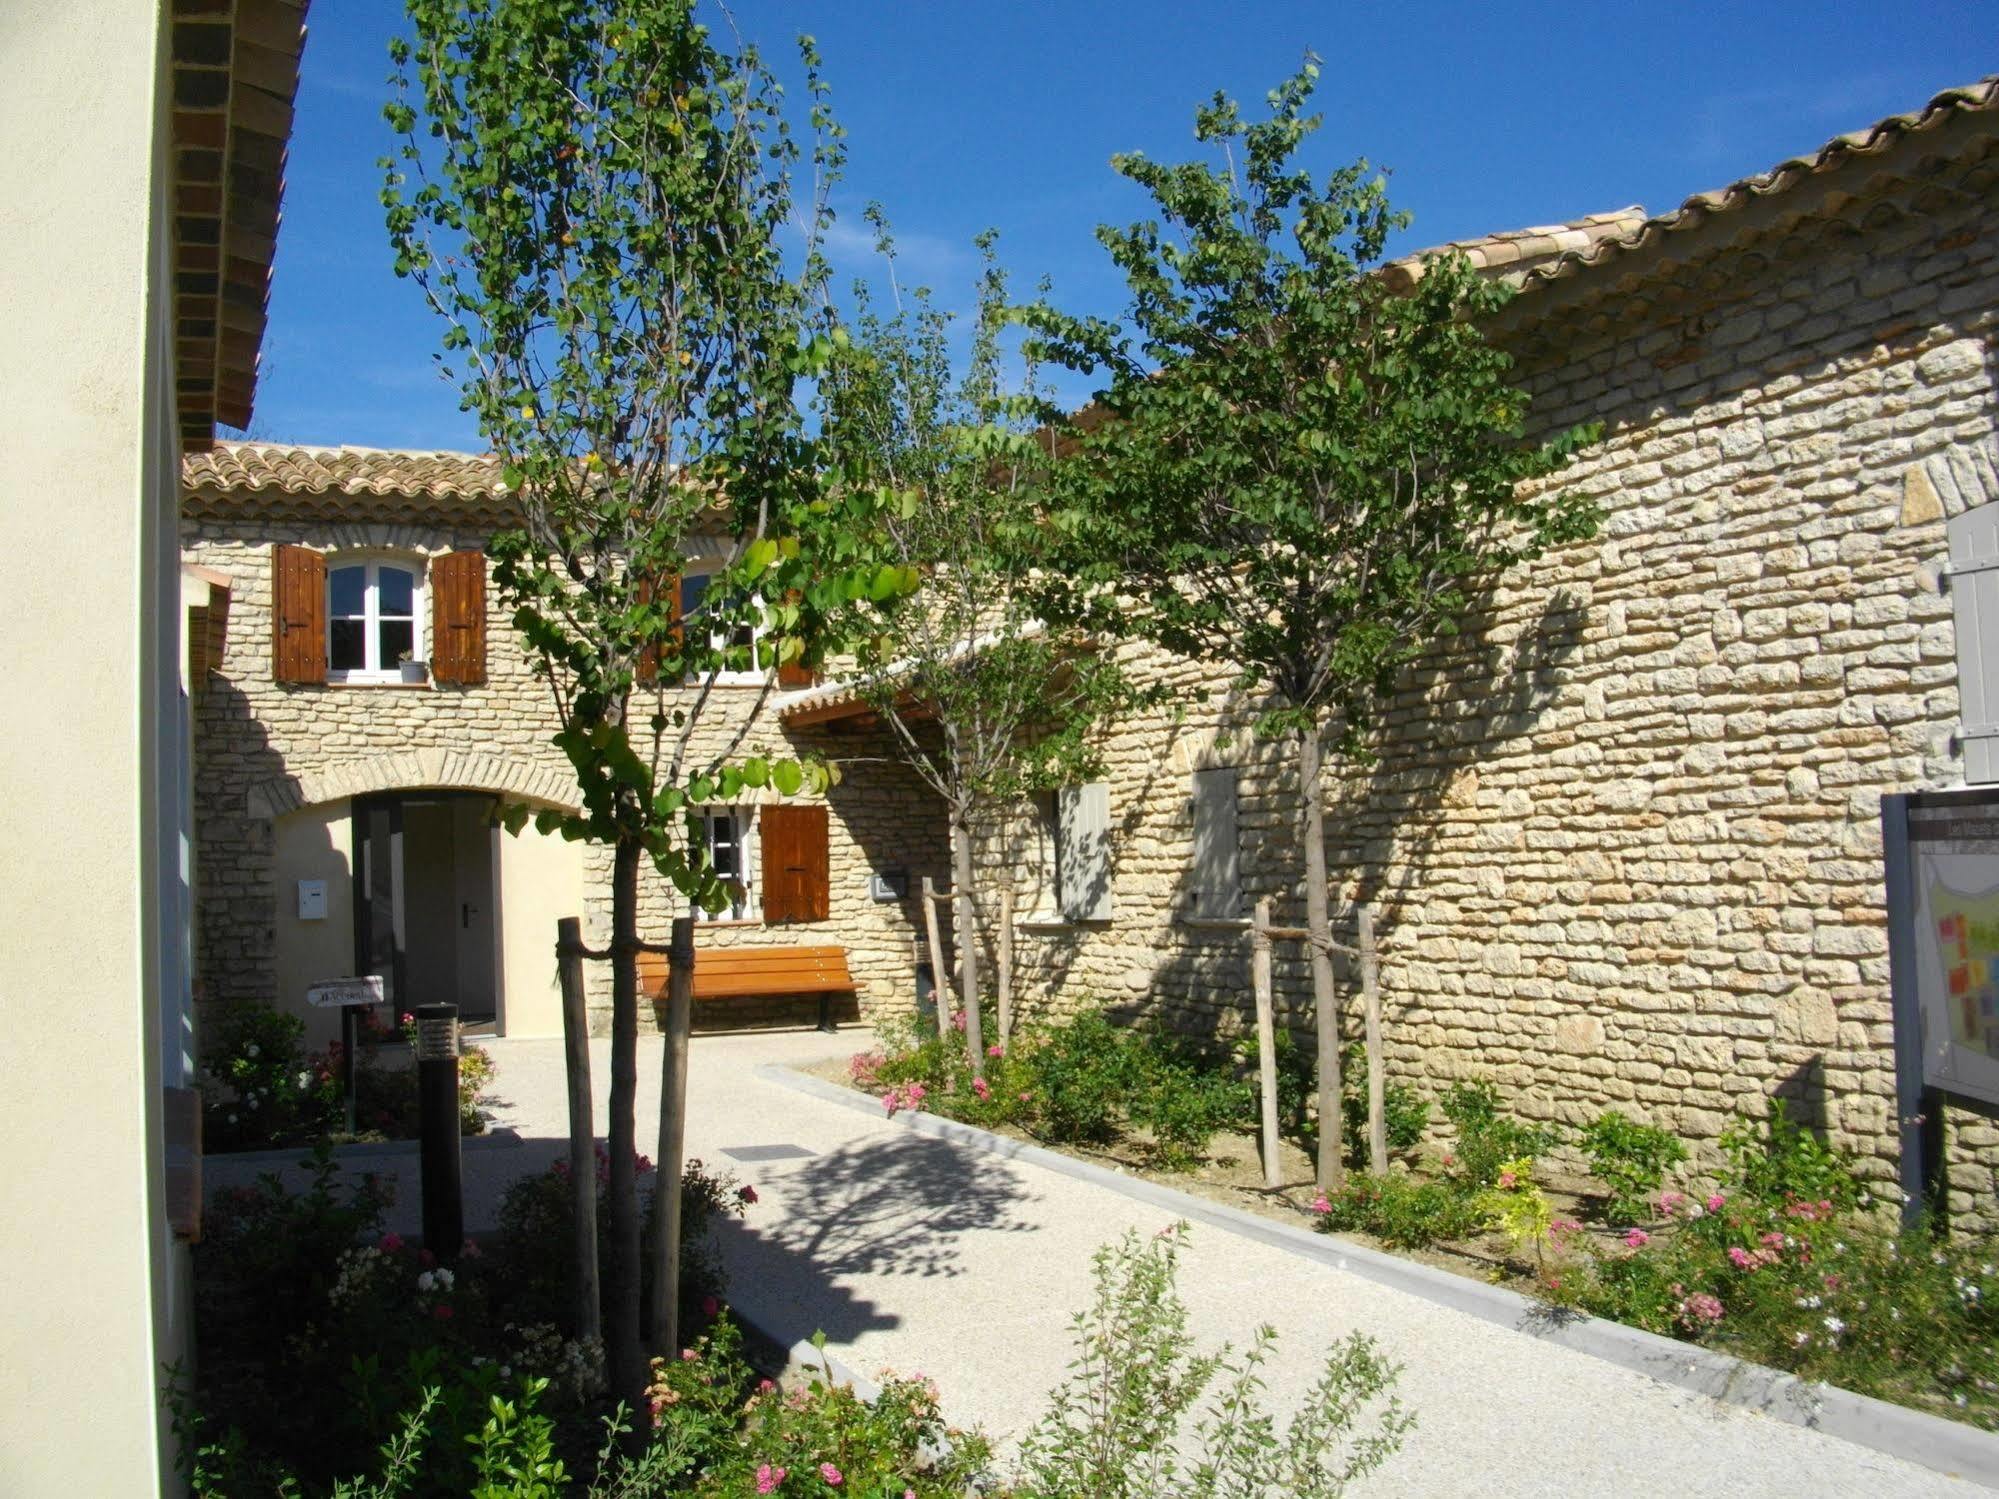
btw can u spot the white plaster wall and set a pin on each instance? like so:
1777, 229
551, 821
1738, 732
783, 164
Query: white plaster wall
541, 880
316, 843
89, 947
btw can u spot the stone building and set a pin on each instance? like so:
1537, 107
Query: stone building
313, 573
1624, 834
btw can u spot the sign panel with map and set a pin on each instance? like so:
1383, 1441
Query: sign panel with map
1943, 920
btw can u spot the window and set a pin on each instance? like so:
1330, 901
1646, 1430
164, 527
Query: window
1071, 853
373, 614
1214, 887
747, 634
728, 837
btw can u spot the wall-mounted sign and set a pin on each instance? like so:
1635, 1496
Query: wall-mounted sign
333, 994
1940, 854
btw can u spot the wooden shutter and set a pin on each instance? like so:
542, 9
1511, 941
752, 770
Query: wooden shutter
1083, 851
791, 676
1217, 873
1974, 594
298, 614
647, 669
797, 877
458, 618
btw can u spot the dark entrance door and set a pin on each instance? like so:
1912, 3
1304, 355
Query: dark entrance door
425, 899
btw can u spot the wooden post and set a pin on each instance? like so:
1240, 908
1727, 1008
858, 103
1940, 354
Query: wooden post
1004, 978
940, 979
1370, 993
582, 1134
672, 1140
1266, 1037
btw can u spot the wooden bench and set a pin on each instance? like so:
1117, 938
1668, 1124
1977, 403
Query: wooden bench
759, 973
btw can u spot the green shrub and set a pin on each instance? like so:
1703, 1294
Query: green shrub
536, 1225
1404, 1114
1185, 1104
1124, 1423
257, 1085
1083, 1076
1779, 1160
1632, 1160
1486, 1138
1402, 1211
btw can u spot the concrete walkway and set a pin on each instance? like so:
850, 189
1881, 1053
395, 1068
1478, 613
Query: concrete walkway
925, 1254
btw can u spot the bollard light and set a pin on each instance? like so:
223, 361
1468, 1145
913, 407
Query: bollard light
437, 1033
437, 1130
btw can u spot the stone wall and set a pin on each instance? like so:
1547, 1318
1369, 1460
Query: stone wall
1624, 834
265, 749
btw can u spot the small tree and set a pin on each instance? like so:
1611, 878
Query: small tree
1300, 469
595, 198
982, 701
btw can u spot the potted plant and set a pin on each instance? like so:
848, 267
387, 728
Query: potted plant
417, 672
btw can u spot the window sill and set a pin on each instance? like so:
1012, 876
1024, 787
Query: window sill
382, 686
1046, 921
709, 923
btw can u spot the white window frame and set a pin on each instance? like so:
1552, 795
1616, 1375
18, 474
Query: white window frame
373, 563
749, 853
719, 640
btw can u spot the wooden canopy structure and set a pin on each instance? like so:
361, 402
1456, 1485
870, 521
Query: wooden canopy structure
235, 67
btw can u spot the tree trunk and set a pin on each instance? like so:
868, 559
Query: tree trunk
968, 942
1325, 1004
672, 1142
624, 1354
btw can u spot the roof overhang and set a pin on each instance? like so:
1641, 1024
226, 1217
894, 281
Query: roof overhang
235, 67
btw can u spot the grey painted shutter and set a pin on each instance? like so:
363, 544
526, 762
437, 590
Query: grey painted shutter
1217, 874
1083, 851
1974, 591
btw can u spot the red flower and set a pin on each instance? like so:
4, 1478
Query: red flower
747, 1192
441, 1312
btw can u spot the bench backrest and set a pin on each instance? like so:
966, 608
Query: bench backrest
724, 972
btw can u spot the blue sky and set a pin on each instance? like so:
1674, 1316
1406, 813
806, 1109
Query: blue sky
967, 115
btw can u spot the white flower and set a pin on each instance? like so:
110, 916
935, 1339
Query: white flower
426, 1281
445, 1279
1810, 1303
232, 1118
1801, 1338
304, 1081
1835, 1326
250, 1050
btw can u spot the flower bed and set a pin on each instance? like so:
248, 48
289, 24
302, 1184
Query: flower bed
329, 1348
261, 1089
1783, 1259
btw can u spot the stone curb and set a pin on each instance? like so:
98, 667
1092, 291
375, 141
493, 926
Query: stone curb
492, 1139
1948, 1447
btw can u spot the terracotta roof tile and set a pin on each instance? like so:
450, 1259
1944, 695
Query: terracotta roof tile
1701, 208
342, 483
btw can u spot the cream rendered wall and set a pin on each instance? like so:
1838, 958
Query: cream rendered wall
86, 860
316, 843
541, 879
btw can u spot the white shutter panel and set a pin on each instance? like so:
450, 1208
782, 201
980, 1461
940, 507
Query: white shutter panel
1217, 873
1083, 851
1974, 591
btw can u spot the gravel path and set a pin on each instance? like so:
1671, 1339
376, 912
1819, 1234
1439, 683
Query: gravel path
925, 1254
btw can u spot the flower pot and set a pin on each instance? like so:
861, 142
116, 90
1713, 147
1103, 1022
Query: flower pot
416, 671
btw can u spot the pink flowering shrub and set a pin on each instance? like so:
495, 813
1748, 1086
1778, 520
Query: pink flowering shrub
1785, 1266
818, 1438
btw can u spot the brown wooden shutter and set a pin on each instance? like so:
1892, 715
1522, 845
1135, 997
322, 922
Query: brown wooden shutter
298, 614
647, 669
791, 676
458, 618
797, 878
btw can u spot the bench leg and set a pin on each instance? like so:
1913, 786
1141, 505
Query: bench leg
826, 1014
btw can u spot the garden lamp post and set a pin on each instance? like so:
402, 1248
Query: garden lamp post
437, 1130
